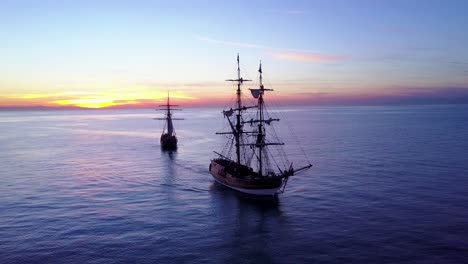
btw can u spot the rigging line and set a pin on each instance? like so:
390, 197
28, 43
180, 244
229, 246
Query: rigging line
276, 163
296, 138
279, 149
230, 143
293, 134
280, 115
228, 103
241, 149
274, 135
267, 159
249, 161
255, 154
227, 149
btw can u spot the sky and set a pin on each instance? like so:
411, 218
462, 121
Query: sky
132, 53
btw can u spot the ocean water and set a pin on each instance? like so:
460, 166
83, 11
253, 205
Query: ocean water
389, 185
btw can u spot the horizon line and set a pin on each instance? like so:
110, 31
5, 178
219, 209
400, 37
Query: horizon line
133, 107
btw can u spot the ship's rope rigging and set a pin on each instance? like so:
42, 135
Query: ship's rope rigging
280, 150
256, 135
276, 163
274, 102
228, 149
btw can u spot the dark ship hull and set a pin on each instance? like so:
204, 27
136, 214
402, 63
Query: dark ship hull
244, 179
168, 142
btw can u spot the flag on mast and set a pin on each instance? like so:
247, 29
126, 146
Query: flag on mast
260, 68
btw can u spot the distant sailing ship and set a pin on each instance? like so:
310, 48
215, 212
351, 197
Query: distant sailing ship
168, 138
252, 170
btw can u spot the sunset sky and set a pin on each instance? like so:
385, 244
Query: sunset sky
130, 53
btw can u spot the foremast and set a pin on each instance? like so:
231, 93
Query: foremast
237, 129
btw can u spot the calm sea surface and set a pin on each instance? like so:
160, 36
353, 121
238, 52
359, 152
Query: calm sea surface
389, 185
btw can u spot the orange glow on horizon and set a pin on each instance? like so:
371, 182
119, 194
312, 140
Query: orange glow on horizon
86, 103
141, 99
146, 97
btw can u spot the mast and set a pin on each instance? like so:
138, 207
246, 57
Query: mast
261, 135
167, 107
170, 126
237, 130
260, 143
238, 116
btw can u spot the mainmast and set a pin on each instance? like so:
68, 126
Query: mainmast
238, 116
261, 132
170, 126
260, 143
168, 118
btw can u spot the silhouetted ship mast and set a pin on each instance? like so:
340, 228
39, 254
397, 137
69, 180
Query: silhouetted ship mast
254, 170
168, 138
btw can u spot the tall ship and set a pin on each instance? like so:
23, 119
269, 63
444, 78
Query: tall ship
168, 137
248, 162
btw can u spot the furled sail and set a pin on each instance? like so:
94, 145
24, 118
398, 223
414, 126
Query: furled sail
255, 93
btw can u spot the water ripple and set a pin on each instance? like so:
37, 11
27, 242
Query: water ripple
388, 185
